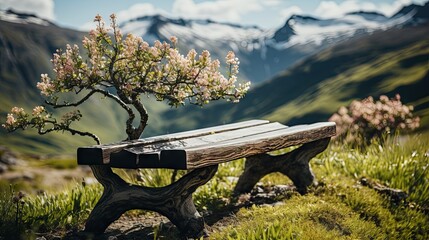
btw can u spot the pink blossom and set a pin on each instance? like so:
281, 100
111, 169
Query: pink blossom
368, 118
38, 110
173, 40
231, 59
17, 111
45, 86
97, 18
10, 120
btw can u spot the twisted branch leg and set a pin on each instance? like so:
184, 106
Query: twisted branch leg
294, 164
173, 201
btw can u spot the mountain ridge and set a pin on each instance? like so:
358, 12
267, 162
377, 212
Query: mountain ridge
315, 88
25, 51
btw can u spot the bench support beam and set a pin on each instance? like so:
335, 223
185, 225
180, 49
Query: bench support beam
173, 201
294, 164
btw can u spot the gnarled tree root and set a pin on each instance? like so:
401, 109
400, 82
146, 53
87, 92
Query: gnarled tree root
294, 164
173, 201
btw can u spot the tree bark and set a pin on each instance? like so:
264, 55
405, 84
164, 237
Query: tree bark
294, 164
173, 201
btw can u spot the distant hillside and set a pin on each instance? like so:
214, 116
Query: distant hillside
386, 62
334, 61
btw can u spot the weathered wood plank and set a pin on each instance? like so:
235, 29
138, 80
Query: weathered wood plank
148, 156
212, 154
100, 154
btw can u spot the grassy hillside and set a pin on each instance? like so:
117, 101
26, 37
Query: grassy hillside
387, 62
342, 206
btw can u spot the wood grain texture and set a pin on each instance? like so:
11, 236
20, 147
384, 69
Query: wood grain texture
100, 154
225, 151
146, 156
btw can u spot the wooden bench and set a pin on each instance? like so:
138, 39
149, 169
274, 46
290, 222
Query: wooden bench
199, 151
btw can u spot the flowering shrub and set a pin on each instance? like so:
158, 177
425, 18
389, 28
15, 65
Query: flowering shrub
365, 119
122, 69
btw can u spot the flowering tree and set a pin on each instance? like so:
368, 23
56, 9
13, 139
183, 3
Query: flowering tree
123, 69
365, 119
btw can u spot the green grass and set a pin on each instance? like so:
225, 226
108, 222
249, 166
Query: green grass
45, 213
56, 163
338, 208
327, 95
403, 163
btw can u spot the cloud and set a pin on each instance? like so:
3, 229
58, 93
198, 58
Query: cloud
139, 10
135, 11
331, 9
390, 9
41, 8
288, 12
220, 10
271, 2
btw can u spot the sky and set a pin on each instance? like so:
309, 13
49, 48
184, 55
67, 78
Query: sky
78, 14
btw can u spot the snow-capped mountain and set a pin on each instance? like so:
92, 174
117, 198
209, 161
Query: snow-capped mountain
264, 53
23, 18
218, 38
159, 27
419, 14
310, 30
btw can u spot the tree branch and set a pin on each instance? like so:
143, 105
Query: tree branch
59, 127
54, 105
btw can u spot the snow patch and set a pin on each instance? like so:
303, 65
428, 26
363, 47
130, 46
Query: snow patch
10, 16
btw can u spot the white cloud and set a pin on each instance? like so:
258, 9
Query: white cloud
331, 9
221, 10
41, 8
390, 9
139, 10
288, 12
135, 11
272, 2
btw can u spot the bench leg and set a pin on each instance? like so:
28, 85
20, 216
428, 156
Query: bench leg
294, 164
173, 201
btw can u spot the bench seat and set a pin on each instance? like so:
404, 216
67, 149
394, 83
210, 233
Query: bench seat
204, 147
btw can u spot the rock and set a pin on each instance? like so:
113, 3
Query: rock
3, 168
278, 204
232, 179
282, 189
7, 157
395, 195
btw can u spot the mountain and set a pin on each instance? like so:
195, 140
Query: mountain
263, 53
23, 18
304, 70
419, 13
386, 62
